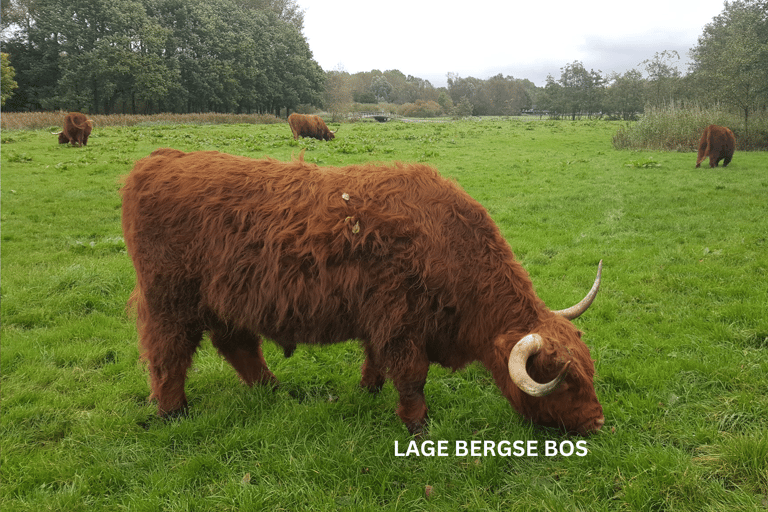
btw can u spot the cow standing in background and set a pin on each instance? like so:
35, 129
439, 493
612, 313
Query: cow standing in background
77, 129
309, 126
717, 143
397, 257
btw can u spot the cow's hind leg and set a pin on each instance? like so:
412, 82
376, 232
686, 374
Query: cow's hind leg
242, 349
373, 377
168, 348
409, 375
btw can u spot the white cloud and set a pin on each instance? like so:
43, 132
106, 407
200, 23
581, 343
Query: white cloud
429, 38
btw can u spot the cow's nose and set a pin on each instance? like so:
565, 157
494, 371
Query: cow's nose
592, 426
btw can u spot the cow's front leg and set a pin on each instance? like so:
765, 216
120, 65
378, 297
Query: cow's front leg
409, 375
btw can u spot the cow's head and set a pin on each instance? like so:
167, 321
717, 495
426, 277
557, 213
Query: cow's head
550, 372
63, 139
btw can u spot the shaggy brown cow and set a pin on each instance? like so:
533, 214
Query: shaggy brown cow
309, 126
717, 143
395, 256
77, 129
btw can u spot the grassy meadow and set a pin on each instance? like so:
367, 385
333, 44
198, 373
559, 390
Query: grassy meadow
679, 334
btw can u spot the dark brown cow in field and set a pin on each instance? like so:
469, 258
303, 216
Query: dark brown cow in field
77, 129
309, 126
717, 143
395, 256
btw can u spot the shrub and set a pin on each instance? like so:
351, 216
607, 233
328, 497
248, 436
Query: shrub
420, 109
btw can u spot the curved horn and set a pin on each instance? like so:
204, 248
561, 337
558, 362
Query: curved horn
576, 311
525, 348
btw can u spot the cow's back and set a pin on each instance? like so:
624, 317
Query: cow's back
303, 253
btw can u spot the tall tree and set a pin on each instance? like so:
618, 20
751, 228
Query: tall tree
582, 90
381, 88
464, 90
663, 76
286, 10
153, 55
731, 57
6, 78
624, 95
338, 91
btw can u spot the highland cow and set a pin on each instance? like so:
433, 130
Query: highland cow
394, 256
309, 126
717, 143
77, 129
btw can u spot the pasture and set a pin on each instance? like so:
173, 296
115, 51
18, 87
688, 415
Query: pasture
679, 334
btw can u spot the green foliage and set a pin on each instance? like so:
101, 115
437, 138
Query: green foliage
663, 77
463, 108
576, 92
102, 56
731, 58
678, 332
644, 163
624, 98
381, 88
6, 78
420, 109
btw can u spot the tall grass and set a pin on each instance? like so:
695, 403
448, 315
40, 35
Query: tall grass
675, 128
46, 120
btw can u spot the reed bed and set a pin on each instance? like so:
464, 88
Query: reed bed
54, 120
675, 128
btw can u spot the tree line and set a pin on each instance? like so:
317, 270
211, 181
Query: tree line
146, 56
729, 67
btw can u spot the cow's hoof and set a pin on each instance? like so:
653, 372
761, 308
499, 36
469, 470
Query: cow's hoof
182, 412
417, 429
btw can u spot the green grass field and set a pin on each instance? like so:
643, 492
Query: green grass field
679, 333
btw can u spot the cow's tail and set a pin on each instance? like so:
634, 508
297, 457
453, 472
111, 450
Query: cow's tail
81, 126
300, 157
134, 301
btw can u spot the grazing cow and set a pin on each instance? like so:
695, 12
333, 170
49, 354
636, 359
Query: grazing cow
77, 129
717, 143
309, 126
395, 256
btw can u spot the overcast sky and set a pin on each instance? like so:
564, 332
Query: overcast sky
531, 39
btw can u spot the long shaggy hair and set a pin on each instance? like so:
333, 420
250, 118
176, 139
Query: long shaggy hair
77, 129
395, 256
309, 126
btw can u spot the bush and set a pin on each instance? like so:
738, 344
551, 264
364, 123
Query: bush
420, 109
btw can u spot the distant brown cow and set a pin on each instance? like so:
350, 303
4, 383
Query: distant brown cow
717, 143
395, 256
77, 129
309, 126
